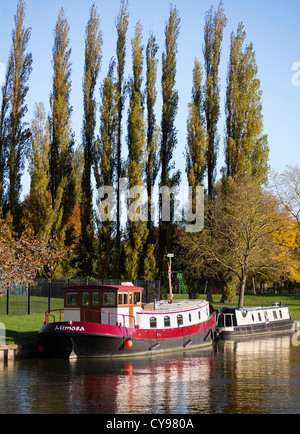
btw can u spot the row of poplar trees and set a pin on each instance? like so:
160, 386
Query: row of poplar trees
60, 202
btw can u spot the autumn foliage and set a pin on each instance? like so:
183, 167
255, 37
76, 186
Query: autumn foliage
24, 257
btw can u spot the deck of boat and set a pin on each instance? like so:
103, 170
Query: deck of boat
176, 306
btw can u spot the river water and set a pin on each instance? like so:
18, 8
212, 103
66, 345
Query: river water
255, 376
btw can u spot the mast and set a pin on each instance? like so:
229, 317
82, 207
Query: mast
170, 256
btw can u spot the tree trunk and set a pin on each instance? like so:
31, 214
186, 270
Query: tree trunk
209, 295
242, 290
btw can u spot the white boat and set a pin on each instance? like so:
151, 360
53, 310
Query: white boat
234, 322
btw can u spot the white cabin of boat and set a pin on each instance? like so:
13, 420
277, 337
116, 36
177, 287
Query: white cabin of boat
180, 313
121, 305
105, 304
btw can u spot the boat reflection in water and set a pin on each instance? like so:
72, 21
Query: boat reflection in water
260, 375
161, 384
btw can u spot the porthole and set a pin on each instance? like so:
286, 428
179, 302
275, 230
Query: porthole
153, 322
179, 320
167, 321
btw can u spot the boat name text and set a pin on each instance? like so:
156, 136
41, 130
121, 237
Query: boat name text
64, 328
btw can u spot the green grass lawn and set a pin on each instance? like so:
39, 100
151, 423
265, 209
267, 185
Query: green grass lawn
22, 329
18, 304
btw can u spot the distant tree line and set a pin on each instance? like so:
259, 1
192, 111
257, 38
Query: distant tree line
60, 205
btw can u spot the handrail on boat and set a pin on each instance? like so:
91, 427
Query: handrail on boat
49, 315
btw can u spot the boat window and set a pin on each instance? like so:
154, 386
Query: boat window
85, 299
137, 298
199, 314
120, 298
167, 321
252, 317
95, 299
72, 299
130, 298
259, 316
190, 317
125, 300
152, 322
280, 313
274, 314
109, 299
179, 320
228, 320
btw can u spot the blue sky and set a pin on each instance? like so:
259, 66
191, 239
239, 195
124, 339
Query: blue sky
272, 26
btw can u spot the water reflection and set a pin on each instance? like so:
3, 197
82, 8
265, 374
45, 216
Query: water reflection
256, 376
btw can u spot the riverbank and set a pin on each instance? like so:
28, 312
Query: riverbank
22, 329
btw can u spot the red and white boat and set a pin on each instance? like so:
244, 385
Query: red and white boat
111, 321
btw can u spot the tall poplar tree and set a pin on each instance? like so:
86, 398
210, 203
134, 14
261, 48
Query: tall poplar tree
152, 155
38, 213
106, 171
5, 90
18, 133
38, 156
107, 143
213, 36
61, 137
122, 26
196, 148
93, 43
136, 231
168, 129
153, 131
246, 147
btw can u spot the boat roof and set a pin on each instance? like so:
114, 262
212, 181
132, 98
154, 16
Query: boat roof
176, 306
251, 309
88, 288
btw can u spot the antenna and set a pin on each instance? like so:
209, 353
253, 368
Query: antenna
170, 256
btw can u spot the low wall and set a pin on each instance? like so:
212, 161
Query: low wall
8, 352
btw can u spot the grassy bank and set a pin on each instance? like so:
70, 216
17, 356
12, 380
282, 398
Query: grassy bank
23, 329
18, 304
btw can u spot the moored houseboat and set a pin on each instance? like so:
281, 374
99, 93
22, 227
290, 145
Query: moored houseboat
234, 322
112, 321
